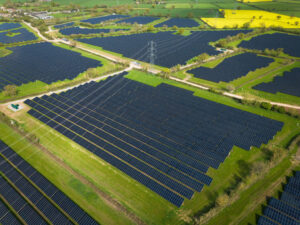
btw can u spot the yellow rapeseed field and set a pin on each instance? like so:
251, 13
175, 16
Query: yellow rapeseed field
252, 19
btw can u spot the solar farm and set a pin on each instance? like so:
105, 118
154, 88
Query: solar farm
168, 47
16, 35
138, 20
104, 19
173, 112
274, 41
48, 57
287, 84
285, 210
25, 189
232, 68
78, 30
174, 154
179, 22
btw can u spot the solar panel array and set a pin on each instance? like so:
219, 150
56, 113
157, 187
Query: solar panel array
44, 62
22, 34
179, 22
9, 26
290, 43
171, 49
78, 30
232, 68
60, 26
139, 20
101, 19
163, 137
285, 211
32, 196
287, 84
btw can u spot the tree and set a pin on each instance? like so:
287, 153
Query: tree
150, 28
230, 87
266, 105
222, 200
91, 73
180, 31
221, 43
73, 44
10, 90
202, 57
165, 73
190, 15
246, 25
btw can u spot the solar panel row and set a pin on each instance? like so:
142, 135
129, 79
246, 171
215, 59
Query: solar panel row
287, 84
44, 62
101, 19
164, 137
36, 193
9, 26
60, 26
78, 30
179, 22
6, 216
285, 211
232, 68
139, 20
290, 43
171, 49
18, 35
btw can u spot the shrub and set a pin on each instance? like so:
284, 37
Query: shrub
266, 105
222, 200
10, 90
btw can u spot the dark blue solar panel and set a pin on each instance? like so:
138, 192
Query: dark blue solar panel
285, 211
103, 18
19, 204
34, 195
265, 221
60, 26
21, 35
179, 22
171, 49
7, 217
43, 62
232, 68
8, 26
279, 217
78, 30
169, 140
287, 84
290, 43
139, 20
285, 208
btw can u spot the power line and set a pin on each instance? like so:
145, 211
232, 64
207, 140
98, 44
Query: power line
152, 52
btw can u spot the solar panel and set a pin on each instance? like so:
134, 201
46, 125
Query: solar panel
166, 143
